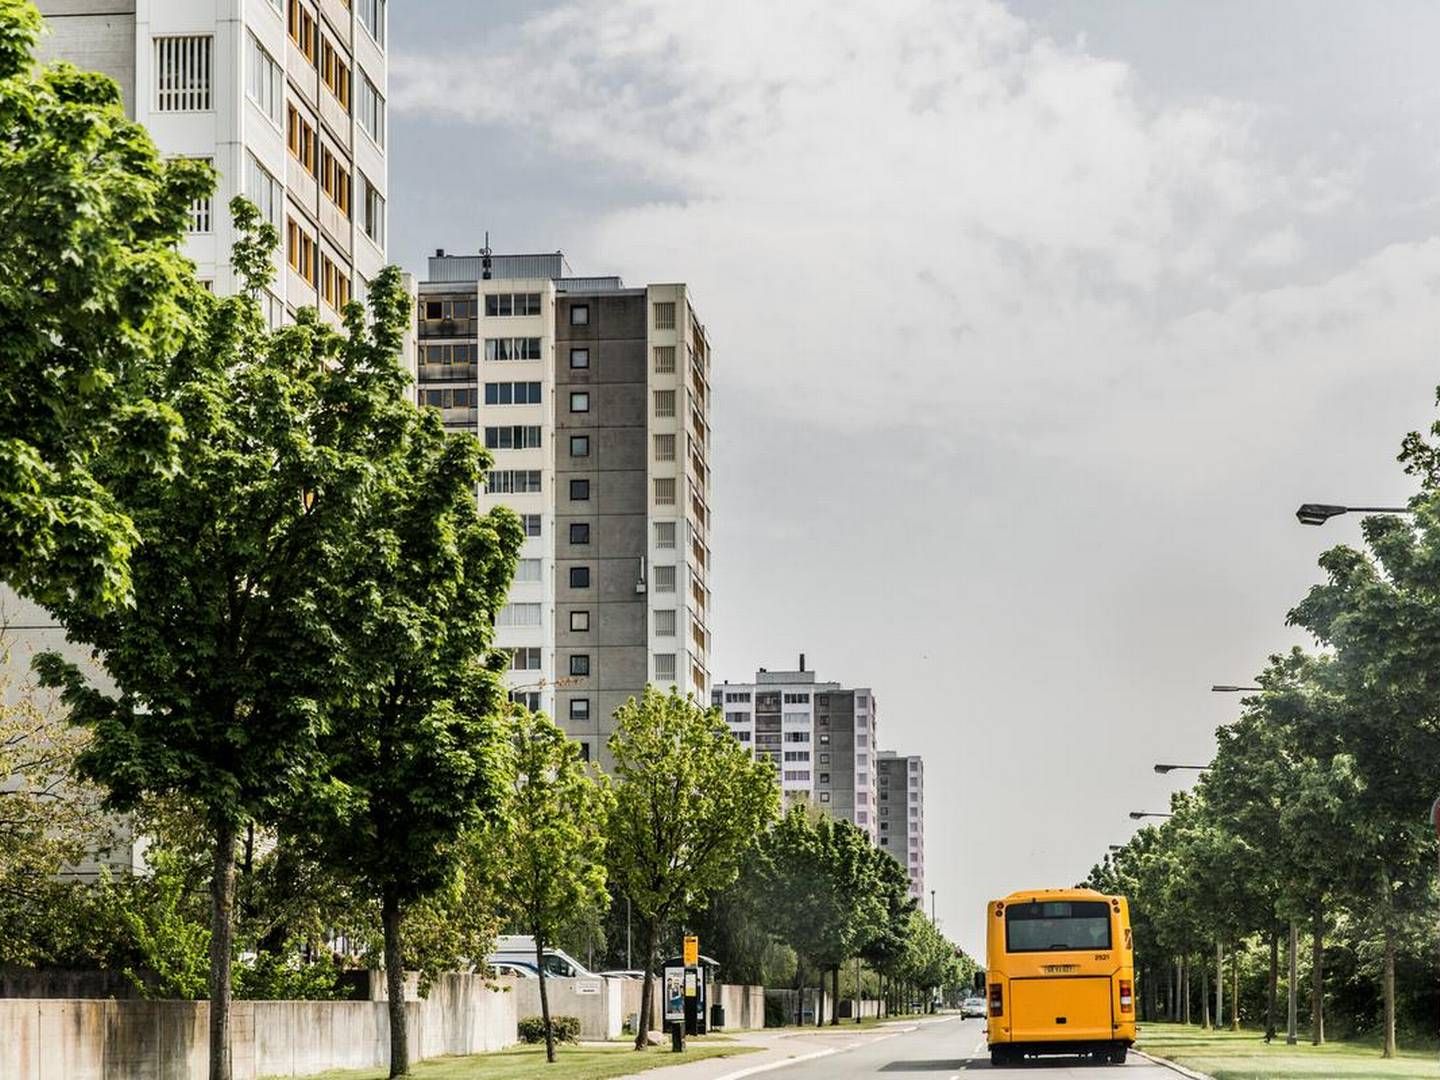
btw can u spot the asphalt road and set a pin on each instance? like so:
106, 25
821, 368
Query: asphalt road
951, 1049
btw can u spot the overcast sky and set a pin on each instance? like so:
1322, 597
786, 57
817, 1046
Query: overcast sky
1033, 324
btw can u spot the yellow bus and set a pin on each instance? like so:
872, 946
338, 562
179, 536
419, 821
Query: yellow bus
1061, 975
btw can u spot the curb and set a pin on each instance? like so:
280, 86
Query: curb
1168, 1064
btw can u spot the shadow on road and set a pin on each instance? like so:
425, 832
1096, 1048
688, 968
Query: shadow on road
925, 1066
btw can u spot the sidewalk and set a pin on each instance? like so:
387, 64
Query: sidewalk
782, 1046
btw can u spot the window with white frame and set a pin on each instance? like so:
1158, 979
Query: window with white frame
262, 189
526, 659
372, 17
527, 570
664, 578
664, 622
664, 402
531, 522
664, 491
664, 447
513, 481
262, 79
665, 316
372, 210
184, 73
665, 534
201, 209
518, 615
664, 359
513, 437
371, 112
665, 666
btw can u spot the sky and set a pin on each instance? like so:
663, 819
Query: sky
1033, 324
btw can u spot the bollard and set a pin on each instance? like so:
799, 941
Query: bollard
677, 1038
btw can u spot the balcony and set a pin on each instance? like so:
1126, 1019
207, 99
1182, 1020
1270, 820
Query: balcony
447, 328
449, 372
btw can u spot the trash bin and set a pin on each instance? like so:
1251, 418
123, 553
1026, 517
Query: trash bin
717, 1016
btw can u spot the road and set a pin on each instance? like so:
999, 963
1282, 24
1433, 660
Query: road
952, 1048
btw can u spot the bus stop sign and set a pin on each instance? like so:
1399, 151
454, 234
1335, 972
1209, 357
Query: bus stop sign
692, 950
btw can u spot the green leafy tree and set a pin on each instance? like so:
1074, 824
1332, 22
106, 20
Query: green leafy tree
553, 842
689, 801
217, 672
95, 301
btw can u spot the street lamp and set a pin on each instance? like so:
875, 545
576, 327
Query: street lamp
1117, 847
1136, 815
1222, 688
1163, 769
1319, 513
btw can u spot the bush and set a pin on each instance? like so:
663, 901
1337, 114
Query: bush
566, 1029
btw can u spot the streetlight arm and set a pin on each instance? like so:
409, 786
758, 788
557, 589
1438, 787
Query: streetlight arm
1319, 513
1163, 769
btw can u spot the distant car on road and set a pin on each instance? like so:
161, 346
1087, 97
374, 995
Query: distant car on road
972, 1006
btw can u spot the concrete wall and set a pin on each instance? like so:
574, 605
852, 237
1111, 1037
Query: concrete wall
599, 1003
744, 1006
71, 1039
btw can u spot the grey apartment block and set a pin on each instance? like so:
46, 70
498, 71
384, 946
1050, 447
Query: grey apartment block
901, 809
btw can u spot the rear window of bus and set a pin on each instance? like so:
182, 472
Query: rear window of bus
1057, 925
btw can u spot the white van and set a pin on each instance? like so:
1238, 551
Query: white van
520, 949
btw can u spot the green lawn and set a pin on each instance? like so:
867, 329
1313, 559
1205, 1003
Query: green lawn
571, 1063
1243, 1055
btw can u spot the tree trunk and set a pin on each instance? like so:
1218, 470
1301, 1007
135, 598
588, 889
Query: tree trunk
1205, 997
395, 983
1235, 989
1317, 977
544, 996
647, 989
835, 996
1292, 1020
1388, 988
222, 933
1185, 974
1273, 989
1219, 985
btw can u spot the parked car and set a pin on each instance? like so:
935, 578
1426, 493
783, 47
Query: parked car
972, 1006
515, 969
520, 949
627, 973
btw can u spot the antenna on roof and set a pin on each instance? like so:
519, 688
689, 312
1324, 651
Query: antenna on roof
485, 258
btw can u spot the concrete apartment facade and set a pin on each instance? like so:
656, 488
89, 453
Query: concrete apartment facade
594, 400
819, 735
901, 810
286, 98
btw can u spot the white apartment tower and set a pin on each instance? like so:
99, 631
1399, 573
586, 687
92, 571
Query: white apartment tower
594, 400
285, 97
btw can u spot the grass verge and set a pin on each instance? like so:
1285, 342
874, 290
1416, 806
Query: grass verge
571, 1063
1243, 1055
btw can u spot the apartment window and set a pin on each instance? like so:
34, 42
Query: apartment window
529, 699
456, 397
797, 755
579, 577
665, 666
527, 570
824, 776
373, 210
664, 447
664, 402
514, 437
579, 490
183, 73
737, 717
742, 736
797, 736
579, 445
518, 615
580, 708
664, 491
500, 305
526, 659
372, 17
665, 316
200, 208
300, 138
825, 738
665, 538
797, 699
512, 348
580, 664
262, 189
335, 180
797, 774
262, 79
579, 532
512, 393
579, 402
334, 73
824, 758
664, 359
579, 314
371, 114
334, 283
579, 621
513, 482
300, 246
531, 523
861, 817
584, 750
824, 795
664, 578
302, 30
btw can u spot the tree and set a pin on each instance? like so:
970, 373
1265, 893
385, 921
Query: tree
689, 800
95, 300
219, 669
553, 843
415, 754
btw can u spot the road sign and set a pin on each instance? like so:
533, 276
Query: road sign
692, 950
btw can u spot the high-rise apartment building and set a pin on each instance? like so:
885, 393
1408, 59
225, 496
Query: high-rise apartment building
594, 400
286, 98
820, 736
901, 809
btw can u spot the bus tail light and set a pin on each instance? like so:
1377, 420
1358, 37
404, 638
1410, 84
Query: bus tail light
1127, 996
997, 999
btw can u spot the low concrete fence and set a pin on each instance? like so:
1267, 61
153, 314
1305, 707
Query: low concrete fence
744, 1006
599, 1003
802, 1002
76, 1039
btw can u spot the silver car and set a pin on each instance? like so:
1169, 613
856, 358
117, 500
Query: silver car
972, 1006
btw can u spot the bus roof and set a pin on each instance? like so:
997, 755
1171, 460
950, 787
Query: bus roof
1021, 896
